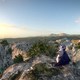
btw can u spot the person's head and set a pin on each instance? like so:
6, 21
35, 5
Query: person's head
62, 47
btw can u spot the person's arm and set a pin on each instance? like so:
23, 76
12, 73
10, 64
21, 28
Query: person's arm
57, 58
60, 53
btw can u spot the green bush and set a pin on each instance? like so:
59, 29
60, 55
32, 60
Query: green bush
15, 76
4, 42
43, 48
70, 47
52, 50
1, 70
78, 46
41, 69
9, 51
18, 59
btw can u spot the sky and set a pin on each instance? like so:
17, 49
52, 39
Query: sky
25, 18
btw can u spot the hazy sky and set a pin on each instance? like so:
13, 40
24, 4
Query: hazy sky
21, 18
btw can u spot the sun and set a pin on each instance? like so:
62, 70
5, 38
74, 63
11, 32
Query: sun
10, 31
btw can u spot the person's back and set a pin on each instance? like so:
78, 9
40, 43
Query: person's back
64, 58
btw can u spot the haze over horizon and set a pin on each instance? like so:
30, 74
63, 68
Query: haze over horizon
25, 18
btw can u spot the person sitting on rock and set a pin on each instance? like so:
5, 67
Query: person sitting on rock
62, 57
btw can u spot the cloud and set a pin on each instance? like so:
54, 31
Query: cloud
77, 20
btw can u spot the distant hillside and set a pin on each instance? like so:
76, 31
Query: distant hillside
60, 34
50, 37
63, 34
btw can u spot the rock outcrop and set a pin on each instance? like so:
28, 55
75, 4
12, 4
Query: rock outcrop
28, 70
20, 48
36, 68
5, 56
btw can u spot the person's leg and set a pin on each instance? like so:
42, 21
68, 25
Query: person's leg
53, 63
57, 65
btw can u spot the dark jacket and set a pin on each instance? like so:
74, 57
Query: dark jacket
64, 59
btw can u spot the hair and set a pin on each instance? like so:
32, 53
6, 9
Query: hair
62, 47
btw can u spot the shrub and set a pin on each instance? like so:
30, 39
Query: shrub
9, 51
18, 59
37, 48
4, 42
1, 70
41, 69
78, 46
52, 50
43, 48
70, 47
15, 76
